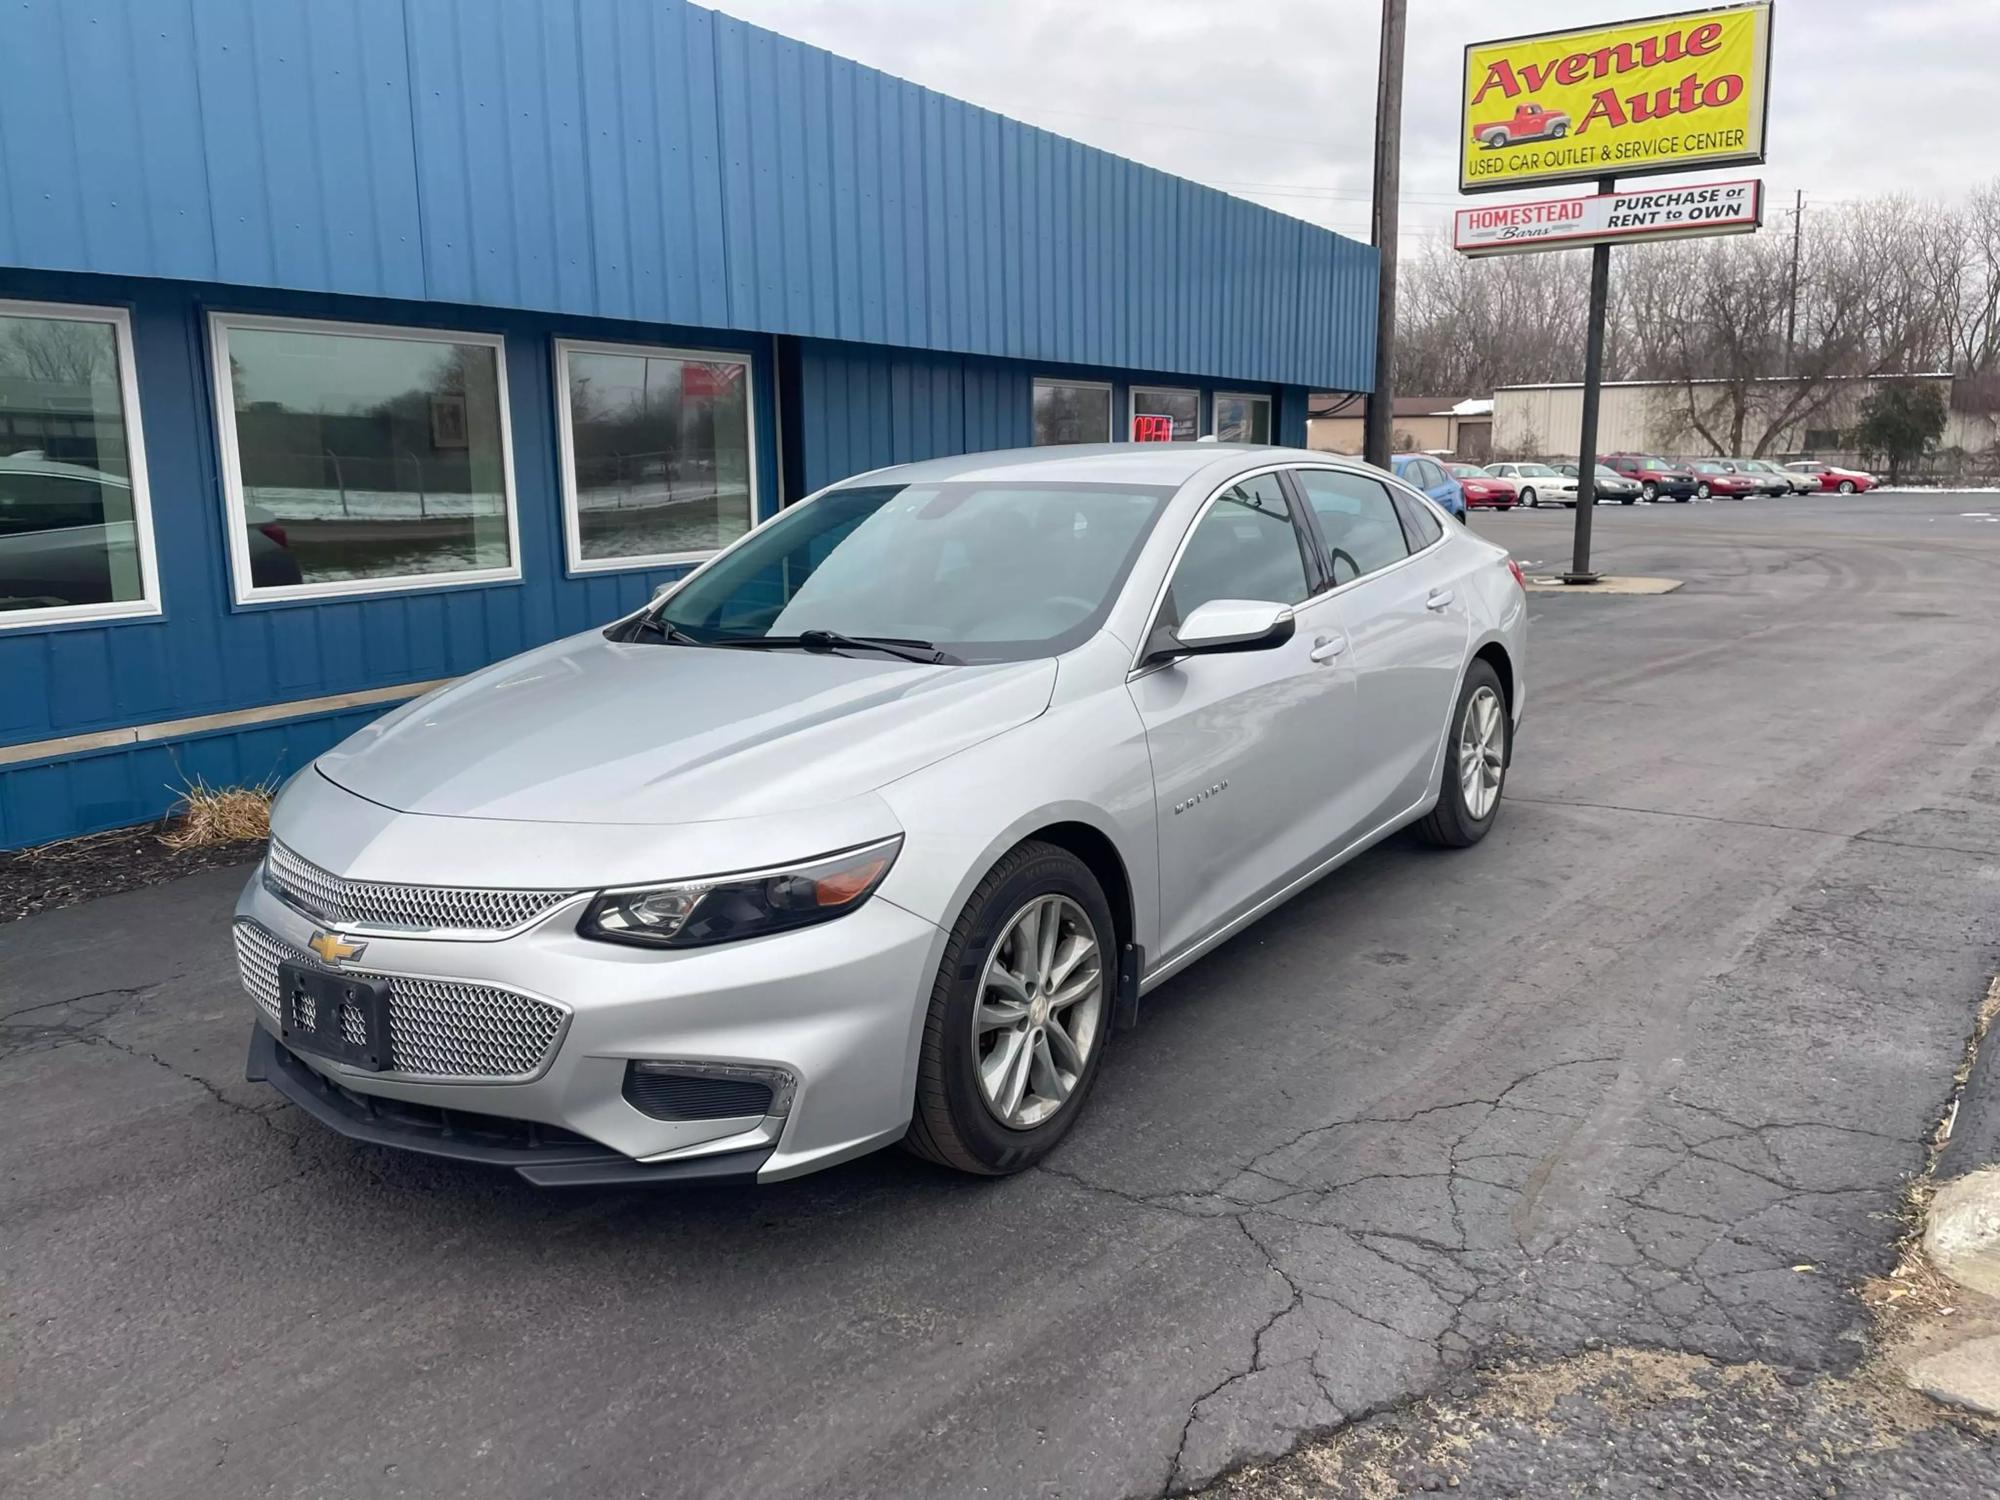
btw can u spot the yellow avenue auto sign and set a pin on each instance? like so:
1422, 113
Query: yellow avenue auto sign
1670, 94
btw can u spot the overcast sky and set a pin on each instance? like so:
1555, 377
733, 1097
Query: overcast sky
1273, 100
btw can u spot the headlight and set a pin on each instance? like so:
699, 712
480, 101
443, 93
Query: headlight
696, 913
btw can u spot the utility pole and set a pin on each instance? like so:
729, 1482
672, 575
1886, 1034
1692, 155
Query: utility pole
1378, 433
1593, 390
1792, 294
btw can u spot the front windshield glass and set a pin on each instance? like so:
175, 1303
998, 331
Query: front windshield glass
1538, 471
1654, 463
1604, 471
986, 572
1710, 466
1468, 471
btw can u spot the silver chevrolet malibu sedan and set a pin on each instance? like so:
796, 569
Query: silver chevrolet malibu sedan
878, 825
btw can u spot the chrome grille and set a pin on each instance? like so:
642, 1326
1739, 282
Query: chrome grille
438, 1028
412, 908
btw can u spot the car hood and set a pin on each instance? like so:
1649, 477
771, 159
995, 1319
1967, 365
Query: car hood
589, 730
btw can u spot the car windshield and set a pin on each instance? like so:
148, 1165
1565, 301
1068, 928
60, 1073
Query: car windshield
1709, 466
1538, 471
1605, 471
1468, 471
1655, 463
984, 572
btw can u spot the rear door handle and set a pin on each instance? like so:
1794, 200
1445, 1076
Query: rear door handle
1439, 599
1327, 647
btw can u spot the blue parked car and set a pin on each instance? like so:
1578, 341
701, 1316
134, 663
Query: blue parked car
1430, 476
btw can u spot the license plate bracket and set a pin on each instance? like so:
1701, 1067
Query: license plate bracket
338, 1016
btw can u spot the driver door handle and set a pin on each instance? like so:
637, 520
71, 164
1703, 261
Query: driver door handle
1327, 647
1439, 599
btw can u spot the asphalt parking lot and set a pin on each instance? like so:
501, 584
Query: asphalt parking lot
1645, 1070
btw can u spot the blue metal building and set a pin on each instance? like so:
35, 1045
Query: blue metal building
349, 345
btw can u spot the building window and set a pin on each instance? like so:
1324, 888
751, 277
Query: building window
1242, 419
1071, 411
657, 460
357, 458
76, 532
1169, 411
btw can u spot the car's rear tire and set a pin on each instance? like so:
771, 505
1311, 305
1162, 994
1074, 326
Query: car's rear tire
975, 1110
1479, 727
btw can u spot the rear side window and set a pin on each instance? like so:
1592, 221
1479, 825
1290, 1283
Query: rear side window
1420, 521
1357, 519
1243, 547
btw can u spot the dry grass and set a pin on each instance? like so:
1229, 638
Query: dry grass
205, 815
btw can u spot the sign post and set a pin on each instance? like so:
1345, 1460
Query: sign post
1666, 94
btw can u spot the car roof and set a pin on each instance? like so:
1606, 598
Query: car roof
1164, 464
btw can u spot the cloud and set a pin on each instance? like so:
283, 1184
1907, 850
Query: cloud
1274, 99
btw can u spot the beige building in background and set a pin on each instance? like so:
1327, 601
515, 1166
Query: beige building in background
1542, 421
1450, 425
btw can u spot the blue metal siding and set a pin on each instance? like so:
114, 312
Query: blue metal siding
642, 159
862, 407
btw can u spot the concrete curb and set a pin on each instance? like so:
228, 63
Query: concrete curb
1962, 1237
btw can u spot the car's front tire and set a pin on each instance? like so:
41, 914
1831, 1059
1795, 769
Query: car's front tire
1475, 763
1019, 1015
1649, 492
1530, 499
1846, 486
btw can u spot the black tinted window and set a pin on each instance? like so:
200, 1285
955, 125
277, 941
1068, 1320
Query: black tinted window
1243, 547
1420, 521
1357, 520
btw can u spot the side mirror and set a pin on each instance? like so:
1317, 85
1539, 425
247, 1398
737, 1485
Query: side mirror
1225, 625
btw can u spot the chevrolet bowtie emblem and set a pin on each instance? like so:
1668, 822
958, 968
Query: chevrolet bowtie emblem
332, 948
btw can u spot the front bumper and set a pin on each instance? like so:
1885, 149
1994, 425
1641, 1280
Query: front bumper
839, 1007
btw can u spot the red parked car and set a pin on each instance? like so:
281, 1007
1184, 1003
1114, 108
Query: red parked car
1840, 481
1657, 478
1530, 123
1481, 488
1715, 480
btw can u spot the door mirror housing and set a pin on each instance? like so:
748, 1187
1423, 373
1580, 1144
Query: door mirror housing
1226, 625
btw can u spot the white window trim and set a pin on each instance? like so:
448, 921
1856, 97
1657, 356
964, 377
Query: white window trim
1132, 403
573, 559
1215, 411
148, 602
1081, 385
243, 593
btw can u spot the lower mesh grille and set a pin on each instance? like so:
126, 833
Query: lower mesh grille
690, 1096
438, 1028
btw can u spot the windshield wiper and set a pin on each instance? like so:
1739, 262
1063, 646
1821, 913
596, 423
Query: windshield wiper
659, 625
890, 645
832, 640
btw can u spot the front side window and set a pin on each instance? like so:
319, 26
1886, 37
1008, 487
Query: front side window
985, 572
1156, 408
1242, 419
1245, 546
1071, 412
76, 539
358, 458
1357, 521
656, 457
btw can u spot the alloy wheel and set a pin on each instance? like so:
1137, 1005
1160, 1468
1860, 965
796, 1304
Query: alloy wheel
1039, 1011
1482, 752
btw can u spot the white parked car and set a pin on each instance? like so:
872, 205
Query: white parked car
869, 829
1538, 483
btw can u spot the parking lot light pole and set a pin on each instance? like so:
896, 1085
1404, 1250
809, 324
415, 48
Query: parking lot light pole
1378, 429
1593, 389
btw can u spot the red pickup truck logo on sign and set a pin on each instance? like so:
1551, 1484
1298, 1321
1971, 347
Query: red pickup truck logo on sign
1530, 123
